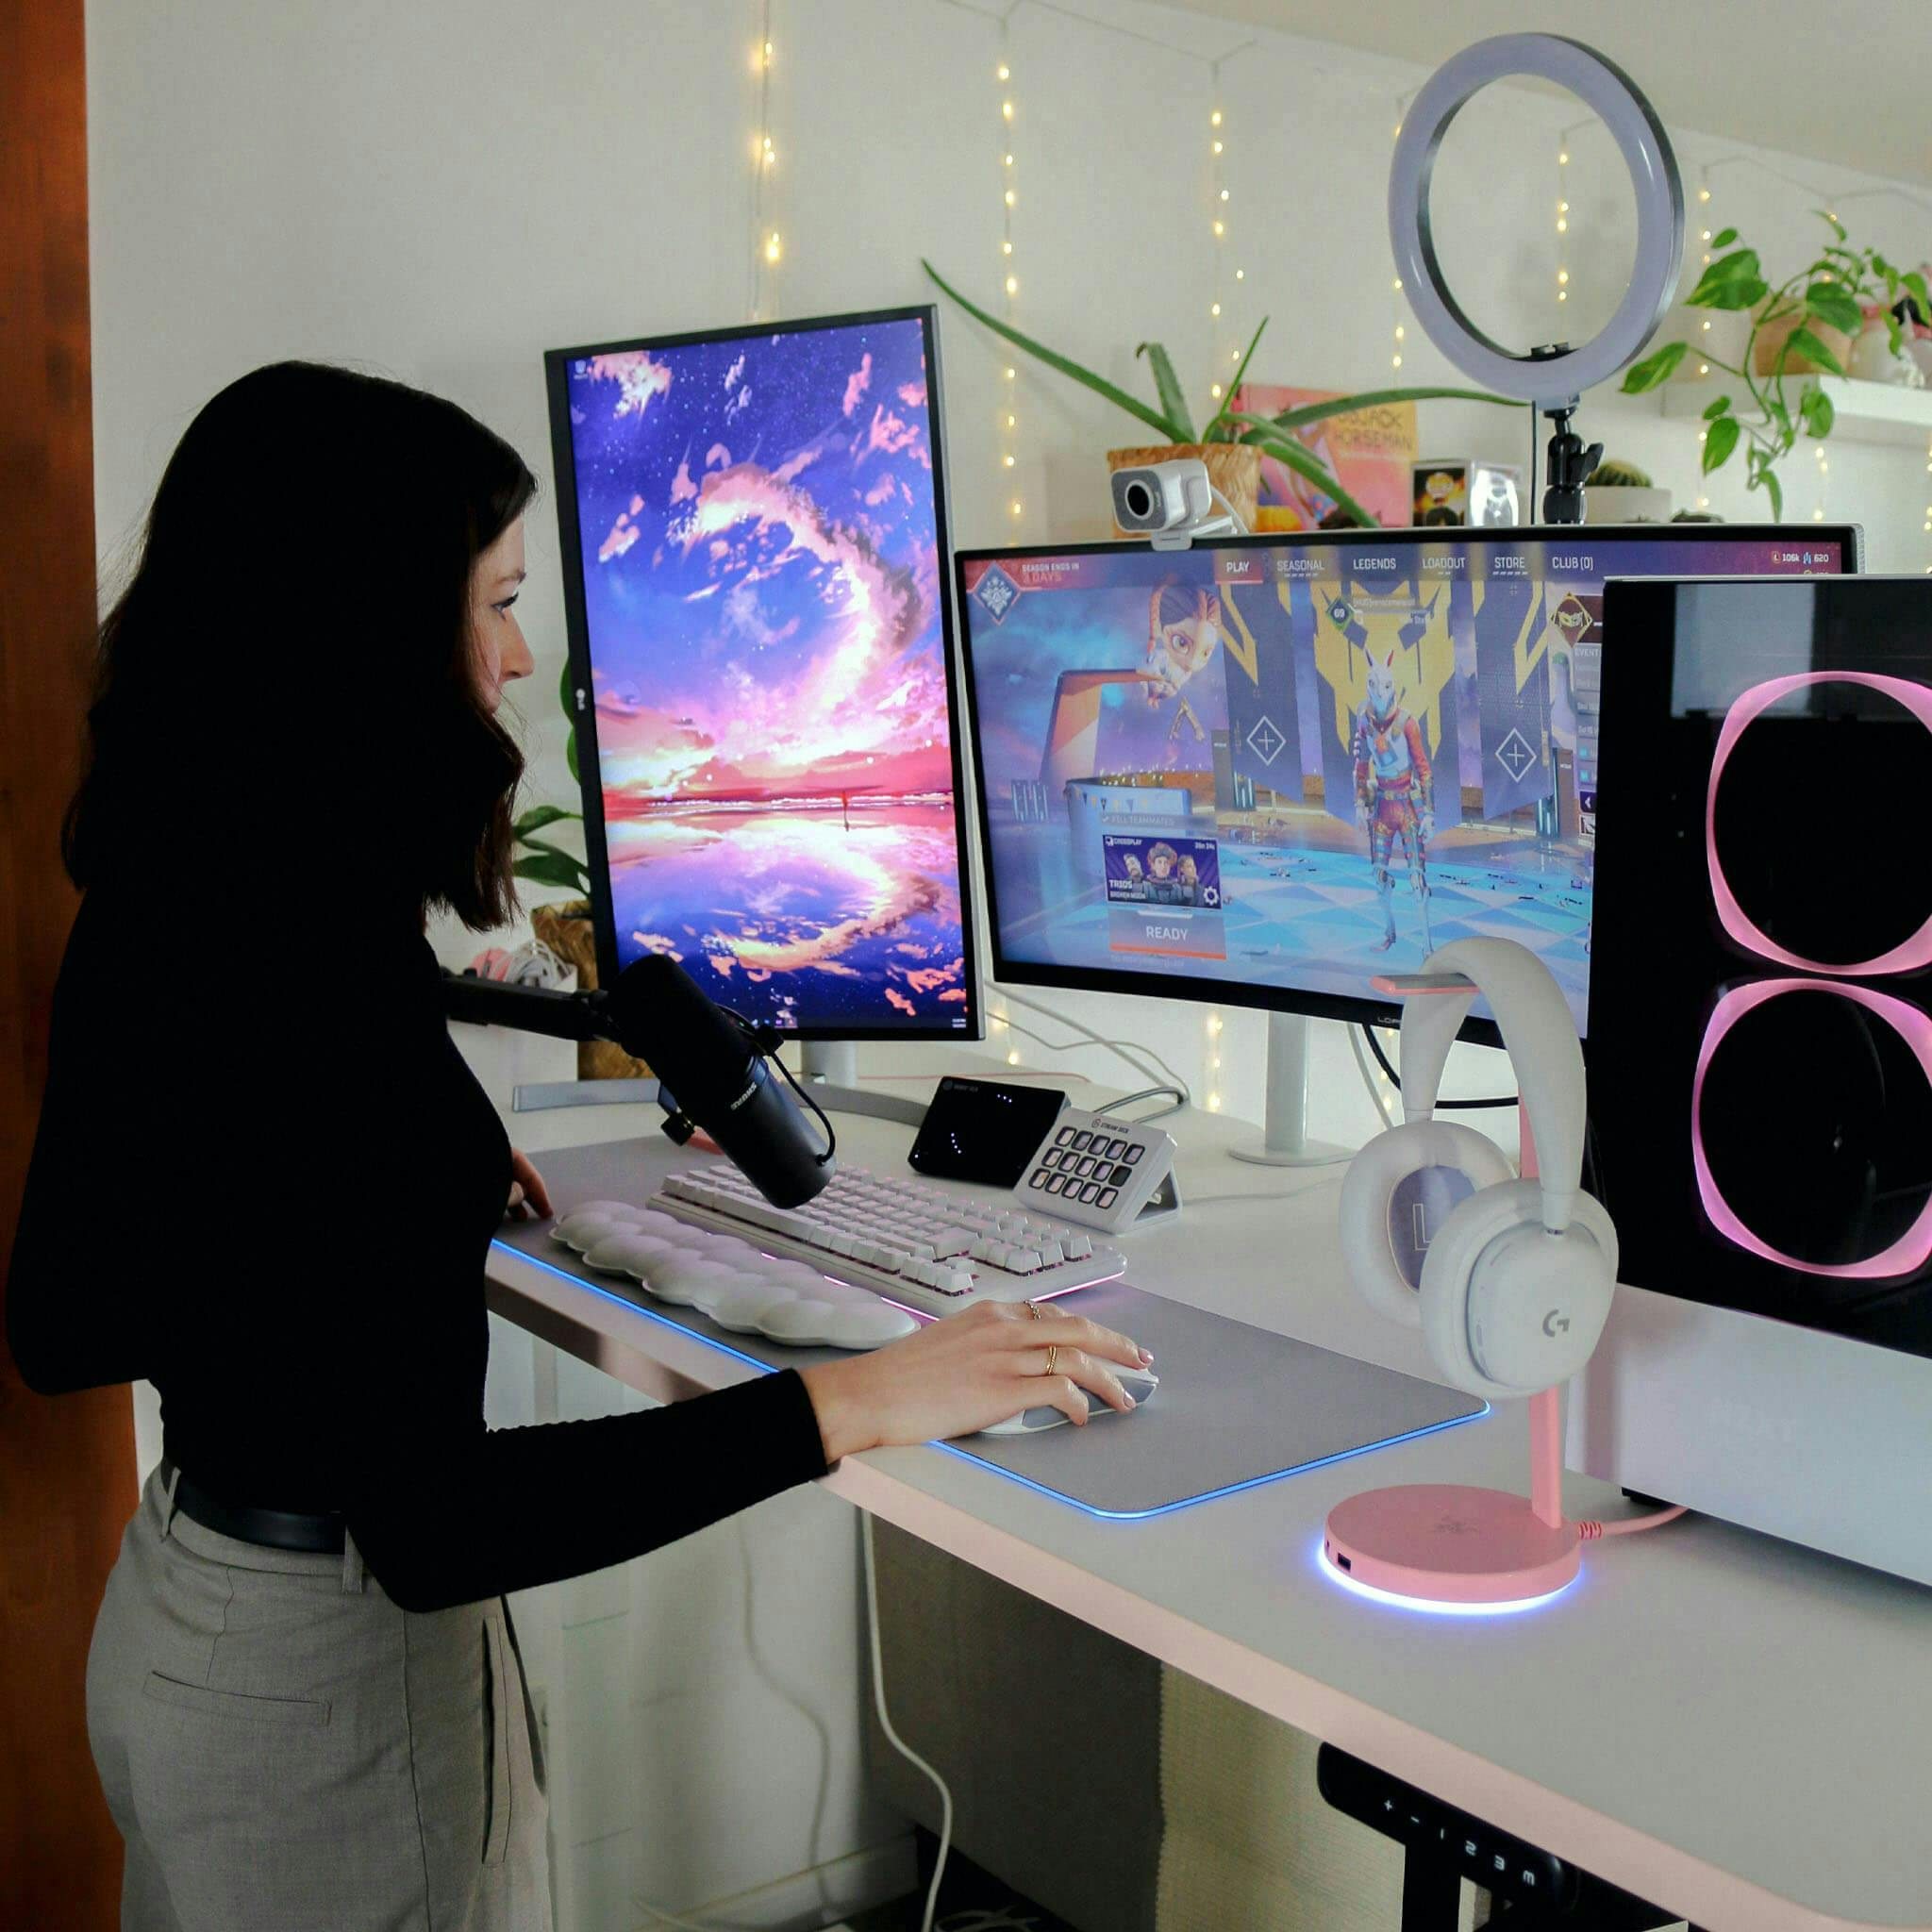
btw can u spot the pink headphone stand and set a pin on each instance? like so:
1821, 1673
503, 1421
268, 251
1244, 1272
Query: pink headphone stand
1450, 1543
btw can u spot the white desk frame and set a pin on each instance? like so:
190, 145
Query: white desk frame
1732, 1727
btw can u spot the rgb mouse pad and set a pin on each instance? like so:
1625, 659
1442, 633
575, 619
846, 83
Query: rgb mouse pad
1237, 1405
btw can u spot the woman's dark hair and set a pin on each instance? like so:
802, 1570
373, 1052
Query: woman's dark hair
286, 694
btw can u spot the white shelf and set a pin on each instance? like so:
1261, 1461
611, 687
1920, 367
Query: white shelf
1867, 411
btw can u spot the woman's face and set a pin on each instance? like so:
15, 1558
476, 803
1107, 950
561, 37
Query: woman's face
501, 652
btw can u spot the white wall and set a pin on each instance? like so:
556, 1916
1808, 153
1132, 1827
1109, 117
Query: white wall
441, 190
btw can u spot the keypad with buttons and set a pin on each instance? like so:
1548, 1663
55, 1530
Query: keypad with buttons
1102, 1167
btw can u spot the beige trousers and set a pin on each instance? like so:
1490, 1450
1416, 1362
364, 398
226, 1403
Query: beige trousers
282, 1747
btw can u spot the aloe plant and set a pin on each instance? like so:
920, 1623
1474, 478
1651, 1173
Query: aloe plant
1829, 288
1273, 436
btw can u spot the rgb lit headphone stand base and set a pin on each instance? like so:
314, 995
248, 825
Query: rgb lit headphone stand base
1451, 1543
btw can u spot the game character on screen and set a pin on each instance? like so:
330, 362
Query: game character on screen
1136, 879
1183, 629
1190, 879
1394, 794
1163, 888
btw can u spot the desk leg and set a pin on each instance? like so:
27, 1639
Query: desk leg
1431, 1894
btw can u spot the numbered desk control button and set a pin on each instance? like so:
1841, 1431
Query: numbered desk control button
1115, 1149
1122, 1176
1109, 1196
1088, 1194
1064, 1137
1038, 1178
1133, 1154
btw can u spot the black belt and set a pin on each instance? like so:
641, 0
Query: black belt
277, 1529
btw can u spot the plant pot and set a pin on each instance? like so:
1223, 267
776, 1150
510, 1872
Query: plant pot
1626, 502
1233, 467
1871, 359
1771, 339
565, 928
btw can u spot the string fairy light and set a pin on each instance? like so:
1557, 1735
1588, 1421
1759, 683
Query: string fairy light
1221, 219
768, 245
1562, 250
1009, 410
1217, 197
1215, 1027
1928, 507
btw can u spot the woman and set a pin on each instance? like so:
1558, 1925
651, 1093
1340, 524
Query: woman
266, 1180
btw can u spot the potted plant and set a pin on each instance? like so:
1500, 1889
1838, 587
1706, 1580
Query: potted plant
1826, 295
1232, 443
1619, 492
564, 926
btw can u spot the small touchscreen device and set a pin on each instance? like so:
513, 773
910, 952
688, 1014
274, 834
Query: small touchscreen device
983, 1130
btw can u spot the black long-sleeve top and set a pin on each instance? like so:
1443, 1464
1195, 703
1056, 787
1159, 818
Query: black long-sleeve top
270, 1190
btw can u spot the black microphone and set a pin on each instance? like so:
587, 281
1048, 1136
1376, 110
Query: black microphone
712, 1072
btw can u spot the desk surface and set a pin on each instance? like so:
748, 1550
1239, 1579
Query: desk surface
1728, 1725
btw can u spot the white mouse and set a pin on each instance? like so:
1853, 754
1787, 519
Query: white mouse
1139, 1383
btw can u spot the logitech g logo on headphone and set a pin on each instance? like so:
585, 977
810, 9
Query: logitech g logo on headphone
1555, 1323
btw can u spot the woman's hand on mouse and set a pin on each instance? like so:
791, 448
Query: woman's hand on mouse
527, 1194
965, 1373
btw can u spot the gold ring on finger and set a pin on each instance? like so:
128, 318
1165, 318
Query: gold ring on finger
1033, 1310
1053, 1355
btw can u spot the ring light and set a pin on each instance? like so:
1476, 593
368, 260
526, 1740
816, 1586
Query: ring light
1555, 377
1908, 957
1551, 378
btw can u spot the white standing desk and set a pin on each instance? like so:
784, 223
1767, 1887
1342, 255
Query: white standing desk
1730, 1726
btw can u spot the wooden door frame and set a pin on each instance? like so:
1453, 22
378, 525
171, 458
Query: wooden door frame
67, 1465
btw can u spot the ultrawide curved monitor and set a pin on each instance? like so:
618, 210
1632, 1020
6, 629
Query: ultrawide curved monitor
1264, 770
754, 531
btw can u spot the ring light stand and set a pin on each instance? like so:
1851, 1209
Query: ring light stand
1553, 377
1451, 1545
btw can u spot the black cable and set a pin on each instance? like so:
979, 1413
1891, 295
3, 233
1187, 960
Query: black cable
831, 1139
1395, 1078
1529, 509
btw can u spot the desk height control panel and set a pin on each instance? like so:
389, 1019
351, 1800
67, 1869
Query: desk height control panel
1529, 1887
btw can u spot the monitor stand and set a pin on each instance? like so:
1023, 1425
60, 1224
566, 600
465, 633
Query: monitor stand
828, 1071
1285, 1134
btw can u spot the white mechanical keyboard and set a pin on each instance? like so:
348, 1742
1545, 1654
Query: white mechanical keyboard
913, 1243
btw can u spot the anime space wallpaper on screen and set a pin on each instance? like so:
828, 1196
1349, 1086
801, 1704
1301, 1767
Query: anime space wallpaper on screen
1298, 765
761, 592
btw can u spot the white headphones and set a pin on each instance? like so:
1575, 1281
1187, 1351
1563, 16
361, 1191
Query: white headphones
1515, 1284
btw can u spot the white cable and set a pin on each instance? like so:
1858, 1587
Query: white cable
1126, 1049
1369, 1080
1234, 515
899, 1743
664, 1917
1181, 1097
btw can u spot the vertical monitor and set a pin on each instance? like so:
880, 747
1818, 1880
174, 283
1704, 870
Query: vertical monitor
1266, 770
753, 541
